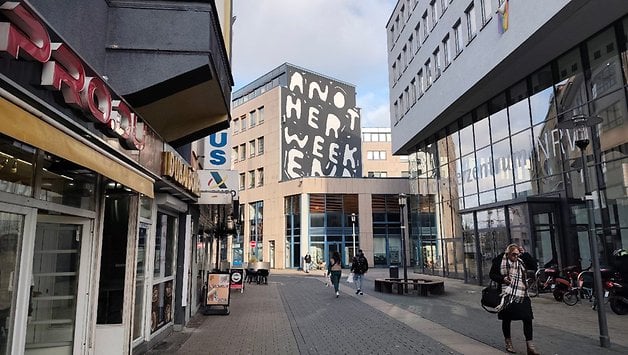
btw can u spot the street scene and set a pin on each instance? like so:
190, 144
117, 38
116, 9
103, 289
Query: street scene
297, 314
313, 177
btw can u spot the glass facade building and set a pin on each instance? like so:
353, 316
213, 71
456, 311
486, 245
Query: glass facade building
506, 172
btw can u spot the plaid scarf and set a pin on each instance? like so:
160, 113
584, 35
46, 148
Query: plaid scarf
517, 290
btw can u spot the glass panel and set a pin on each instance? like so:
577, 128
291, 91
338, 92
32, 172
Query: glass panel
505, 193
52, 307
140, 282
11, 232
604, 63
468, 236
469, 174
503, 163
484, 160
519, 114
453, 146
69, 184
542, 98
146, 207
522, 156
571, 92
16, 167
161, 305
481, 128
164, 245
466, 140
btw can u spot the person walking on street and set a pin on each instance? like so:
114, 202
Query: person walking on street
359, 267
508, 269
307, 262
335, 271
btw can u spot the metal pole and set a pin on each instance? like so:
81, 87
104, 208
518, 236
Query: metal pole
353, 231
605, 340
403, 251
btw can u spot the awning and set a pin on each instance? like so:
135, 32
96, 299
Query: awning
184, 108
25, 127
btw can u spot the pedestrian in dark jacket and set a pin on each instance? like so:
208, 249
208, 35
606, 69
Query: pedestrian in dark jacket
334, 271
509, 270
359, 267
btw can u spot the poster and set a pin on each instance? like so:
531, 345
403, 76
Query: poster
237, 278
218, 289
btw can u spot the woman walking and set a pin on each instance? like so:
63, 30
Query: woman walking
334, 270
509, 270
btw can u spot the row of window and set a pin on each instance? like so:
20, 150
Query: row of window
440, 58
255, 117
256, 147
376, 155
376, 137
255, 93
255, 178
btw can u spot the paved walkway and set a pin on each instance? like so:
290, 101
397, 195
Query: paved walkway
297, 314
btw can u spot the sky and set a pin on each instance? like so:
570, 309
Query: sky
342, 39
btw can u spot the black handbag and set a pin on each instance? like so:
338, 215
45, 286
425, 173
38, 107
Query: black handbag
491, 297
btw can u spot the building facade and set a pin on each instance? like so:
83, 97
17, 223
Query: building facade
98, 188
377, 154
296, 144
479, 91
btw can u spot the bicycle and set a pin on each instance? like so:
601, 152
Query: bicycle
583, 288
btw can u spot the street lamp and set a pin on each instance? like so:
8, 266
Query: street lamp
402, 203
353, 231
580, 124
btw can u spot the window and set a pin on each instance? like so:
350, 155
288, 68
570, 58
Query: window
399, 68
396, 110
471, 25
404, 57
392, 35
252, 148
486, 10
376, 155
428, 74
252, 118
410, 47
425, 24
243, 123
260, 145
437, 65
234, 154
260, 114
242, 151
402, 105
251, 178
421, 84
417, 36
242, 181
434, 12
377, 174
236, 125
260, 177
413, 91
446, 51
443, 5
394, 72
458, 37
406, 97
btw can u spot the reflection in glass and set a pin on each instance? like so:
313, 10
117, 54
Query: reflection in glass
469, 174
571, 91
503, 163
52, 307
522, 156
466, 140
67, 183
499, 125
505, 193
481, 129
11, 229
542, 99
484, 170
604, 64
468, 237
140, 282
519, 114
16, 167
453, 148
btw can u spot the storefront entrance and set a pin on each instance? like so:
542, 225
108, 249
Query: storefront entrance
57, 317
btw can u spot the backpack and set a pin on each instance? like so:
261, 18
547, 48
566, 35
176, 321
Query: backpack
361, 265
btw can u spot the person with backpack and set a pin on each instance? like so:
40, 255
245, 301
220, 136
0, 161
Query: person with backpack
359, 267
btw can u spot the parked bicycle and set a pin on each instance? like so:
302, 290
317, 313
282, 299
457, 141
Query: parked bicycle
583, 288
551, 279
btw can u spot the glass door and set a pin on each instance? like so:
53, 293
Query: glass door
333, 247
11, 235
56, 315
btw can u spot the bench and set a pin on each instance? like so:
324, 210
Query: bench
421, 286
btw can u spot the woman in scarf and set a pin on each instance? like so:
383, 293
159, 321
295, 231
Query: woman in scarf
509, 270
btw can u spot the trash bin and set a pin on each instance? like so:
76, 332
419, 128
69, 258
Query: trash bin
393, 272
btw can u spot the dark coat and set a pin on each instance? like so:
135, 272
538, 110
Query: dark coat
514, 311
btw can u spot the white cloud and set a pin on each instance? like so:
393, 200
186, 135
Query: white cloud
343, 39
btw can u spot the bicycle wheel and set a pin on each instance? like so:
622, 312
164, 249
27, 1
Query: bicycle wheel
570, 297
533, 287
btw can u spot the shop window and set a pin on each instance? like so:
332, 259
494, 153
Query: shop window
163, 272
66, 183
16, 167
113, 258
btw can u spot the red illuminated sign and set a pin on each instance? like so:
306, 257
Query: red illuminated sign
252, 242
27, 37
